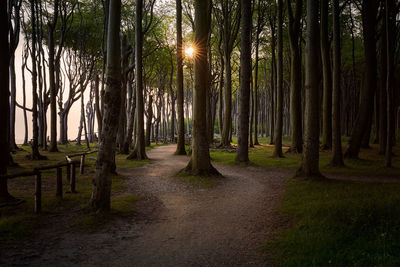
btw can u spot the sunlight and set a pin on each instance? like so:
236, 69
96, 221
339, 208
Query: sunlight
190, 51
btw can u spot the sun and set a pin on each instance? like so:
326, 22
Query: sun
189, 51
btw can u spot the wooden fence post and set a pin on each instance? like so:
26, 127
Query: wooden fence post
72, 180
38, 192
82, 167
59, 192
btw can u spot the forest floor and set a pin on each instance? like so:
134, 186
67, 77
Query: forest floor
175, 222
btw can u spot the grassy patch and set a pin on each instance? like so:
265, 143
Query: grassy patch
204, 182
339, 224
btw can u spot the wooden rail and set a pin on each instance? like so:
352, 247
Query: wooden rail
70, 165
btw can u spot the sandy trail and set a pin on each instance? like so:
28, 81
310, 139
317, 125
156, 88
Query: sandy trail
175, 224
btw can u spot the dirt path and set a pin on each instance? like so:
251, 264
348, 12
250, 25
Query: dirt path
176, 224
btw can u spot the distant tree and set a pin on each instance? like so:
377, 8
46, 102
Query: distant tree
310, 160
101, 192
242, 154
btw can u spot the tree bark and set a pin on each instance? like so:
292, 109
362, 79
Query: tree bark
295, 77
310, 160
279, 89
180, 148
139, 151
327, 77
242, 154
361, 126
200, 163
101, 191
337, 156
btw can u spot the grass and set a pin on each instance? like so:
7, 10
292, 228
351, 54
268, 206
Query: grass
339, 223
17, 223
334, 223
199, 181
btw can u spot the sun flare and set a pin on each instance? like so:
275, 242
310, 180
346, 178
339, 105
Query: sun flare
189, 51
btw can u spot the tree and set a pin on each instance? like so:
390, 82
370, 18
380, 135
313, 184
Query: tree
180, 149
101, 191
310, 161
327, 77
242, 154
279, 89
337, 157
139, 151
200, 163
229, 21
362, 124
295, 75
4, 104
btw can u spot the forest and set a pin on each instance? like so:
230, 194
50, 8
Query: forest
200, 132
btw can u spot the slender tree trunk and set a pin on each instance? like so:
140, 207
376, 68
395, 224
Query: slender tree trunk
279, 90
337, 156
139, 151
327, 77
149, 119
101, 192
310, 160
35, 147
242, 154
180, 148
200, 163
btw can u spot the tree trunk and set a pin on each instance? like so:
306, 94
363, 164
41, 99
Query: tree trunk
337, 156
35, 147
101, 192
310, 160
149, 119
180, 148
200, 163
242, 154
295, 77
139, 151
327, 77
369, 12
279, 89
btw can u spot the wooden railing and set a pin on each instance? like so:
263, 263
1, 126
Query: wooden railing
70, 165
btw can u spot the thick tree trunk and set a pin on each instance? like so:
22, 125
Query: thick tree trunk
139, 151
200, 163
337, 156
295, 77
227, 120
310, 160
369, 12
327, 77
4, 104
279, 89
180, 148
242, 154
101, 192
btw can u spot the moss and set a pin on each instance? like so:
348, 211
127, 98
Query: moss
204, 182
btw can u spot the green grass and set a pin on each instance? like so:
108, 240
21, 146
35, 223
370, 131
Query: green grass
339, 224
204, 182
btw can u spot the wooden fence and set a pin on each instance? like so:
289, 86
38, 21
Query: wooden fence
70, 165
